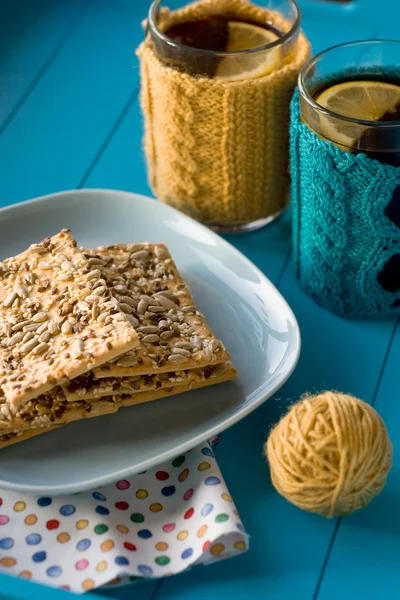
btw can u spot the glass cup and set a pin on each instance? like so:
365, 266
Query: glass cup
345, 159
216, 121
371, 60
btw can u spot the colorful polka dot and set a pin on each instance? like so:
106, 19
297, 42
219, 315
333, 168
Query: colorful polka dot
44, 501
8, 561
162, 475
121, 561
52, 524
123, 484
178, 461
88, 584
141, 494
63, 537
162, 560
1, 501
67, 510
25, 575
65, 587
19, 506
39, 556
33, 539
240, 527
4, 519
161, 546
169, 527
183, 475
137, 517
30, 520
54, 571
204, 466
99, 496
102, 566
202, 531
187, 553
206, 545
212, 480
226, 497
188, 513
169, 490
182, 535
80, 565
122, 505
217, 549
6, 543
82, 523
123, 528
156, 507
107, 546
221, 518
99, 529
207, 451
187, 495
145, 570
102, 510
129, 546
83, 545
145, 534
207, 508
241, 546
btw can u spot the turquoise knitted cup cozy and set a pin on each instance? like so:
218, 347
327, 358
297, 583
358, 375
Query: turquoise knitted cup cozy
345, 237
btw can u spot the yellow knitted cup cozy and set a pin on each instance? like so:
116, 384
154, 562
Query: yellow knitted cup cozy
218, 150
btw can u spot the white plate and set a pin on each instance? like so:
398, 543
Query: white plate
241, 305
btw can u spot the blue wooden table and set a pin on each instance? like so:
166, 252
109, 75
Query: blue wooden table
69, 117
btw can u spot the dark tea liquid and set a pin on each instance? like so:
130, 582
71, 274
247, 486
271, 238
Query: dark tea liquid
210, 34
380, 143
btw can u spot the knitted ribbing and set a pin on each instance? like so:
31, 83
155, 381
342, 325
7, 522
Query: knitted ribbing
215, 150
342, 235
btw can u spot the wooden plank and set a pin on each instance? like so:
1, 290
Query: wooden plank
31, 35
60, 128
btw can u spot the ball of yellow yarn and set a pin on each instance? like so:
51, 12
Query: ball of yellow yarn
330, 454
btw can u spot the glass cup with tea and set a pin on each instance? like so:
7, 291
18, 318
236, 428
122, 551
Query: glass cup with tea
347, 177
217, 77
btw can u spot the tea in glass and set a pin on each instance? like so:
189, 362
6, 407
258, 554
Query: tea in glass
348, 200
350, 95
217, 78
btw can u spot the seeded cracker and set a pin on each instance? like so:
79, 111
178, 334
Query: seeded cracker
54, 408
14, 437
57, 319
87, 387
173, 334
75, 411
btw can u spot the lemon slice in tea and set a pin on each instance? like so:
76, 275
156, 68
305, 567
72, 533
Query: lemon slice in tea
365, 100
245, 36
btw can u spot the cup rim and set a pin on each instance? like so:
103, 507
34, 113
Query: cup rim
326, 111
152, 23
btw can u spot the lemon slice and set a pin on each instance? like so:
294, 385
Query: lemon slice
245, 36
365, 100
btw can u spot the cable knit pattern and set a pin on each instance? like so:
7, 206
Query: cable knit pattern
342, 236
216, 150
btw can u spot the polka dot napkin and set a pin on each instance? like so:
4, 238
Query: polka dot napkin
157, 523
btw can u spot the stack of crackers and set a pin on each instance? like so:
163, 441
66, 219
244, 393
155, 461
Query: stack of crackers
85, 332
